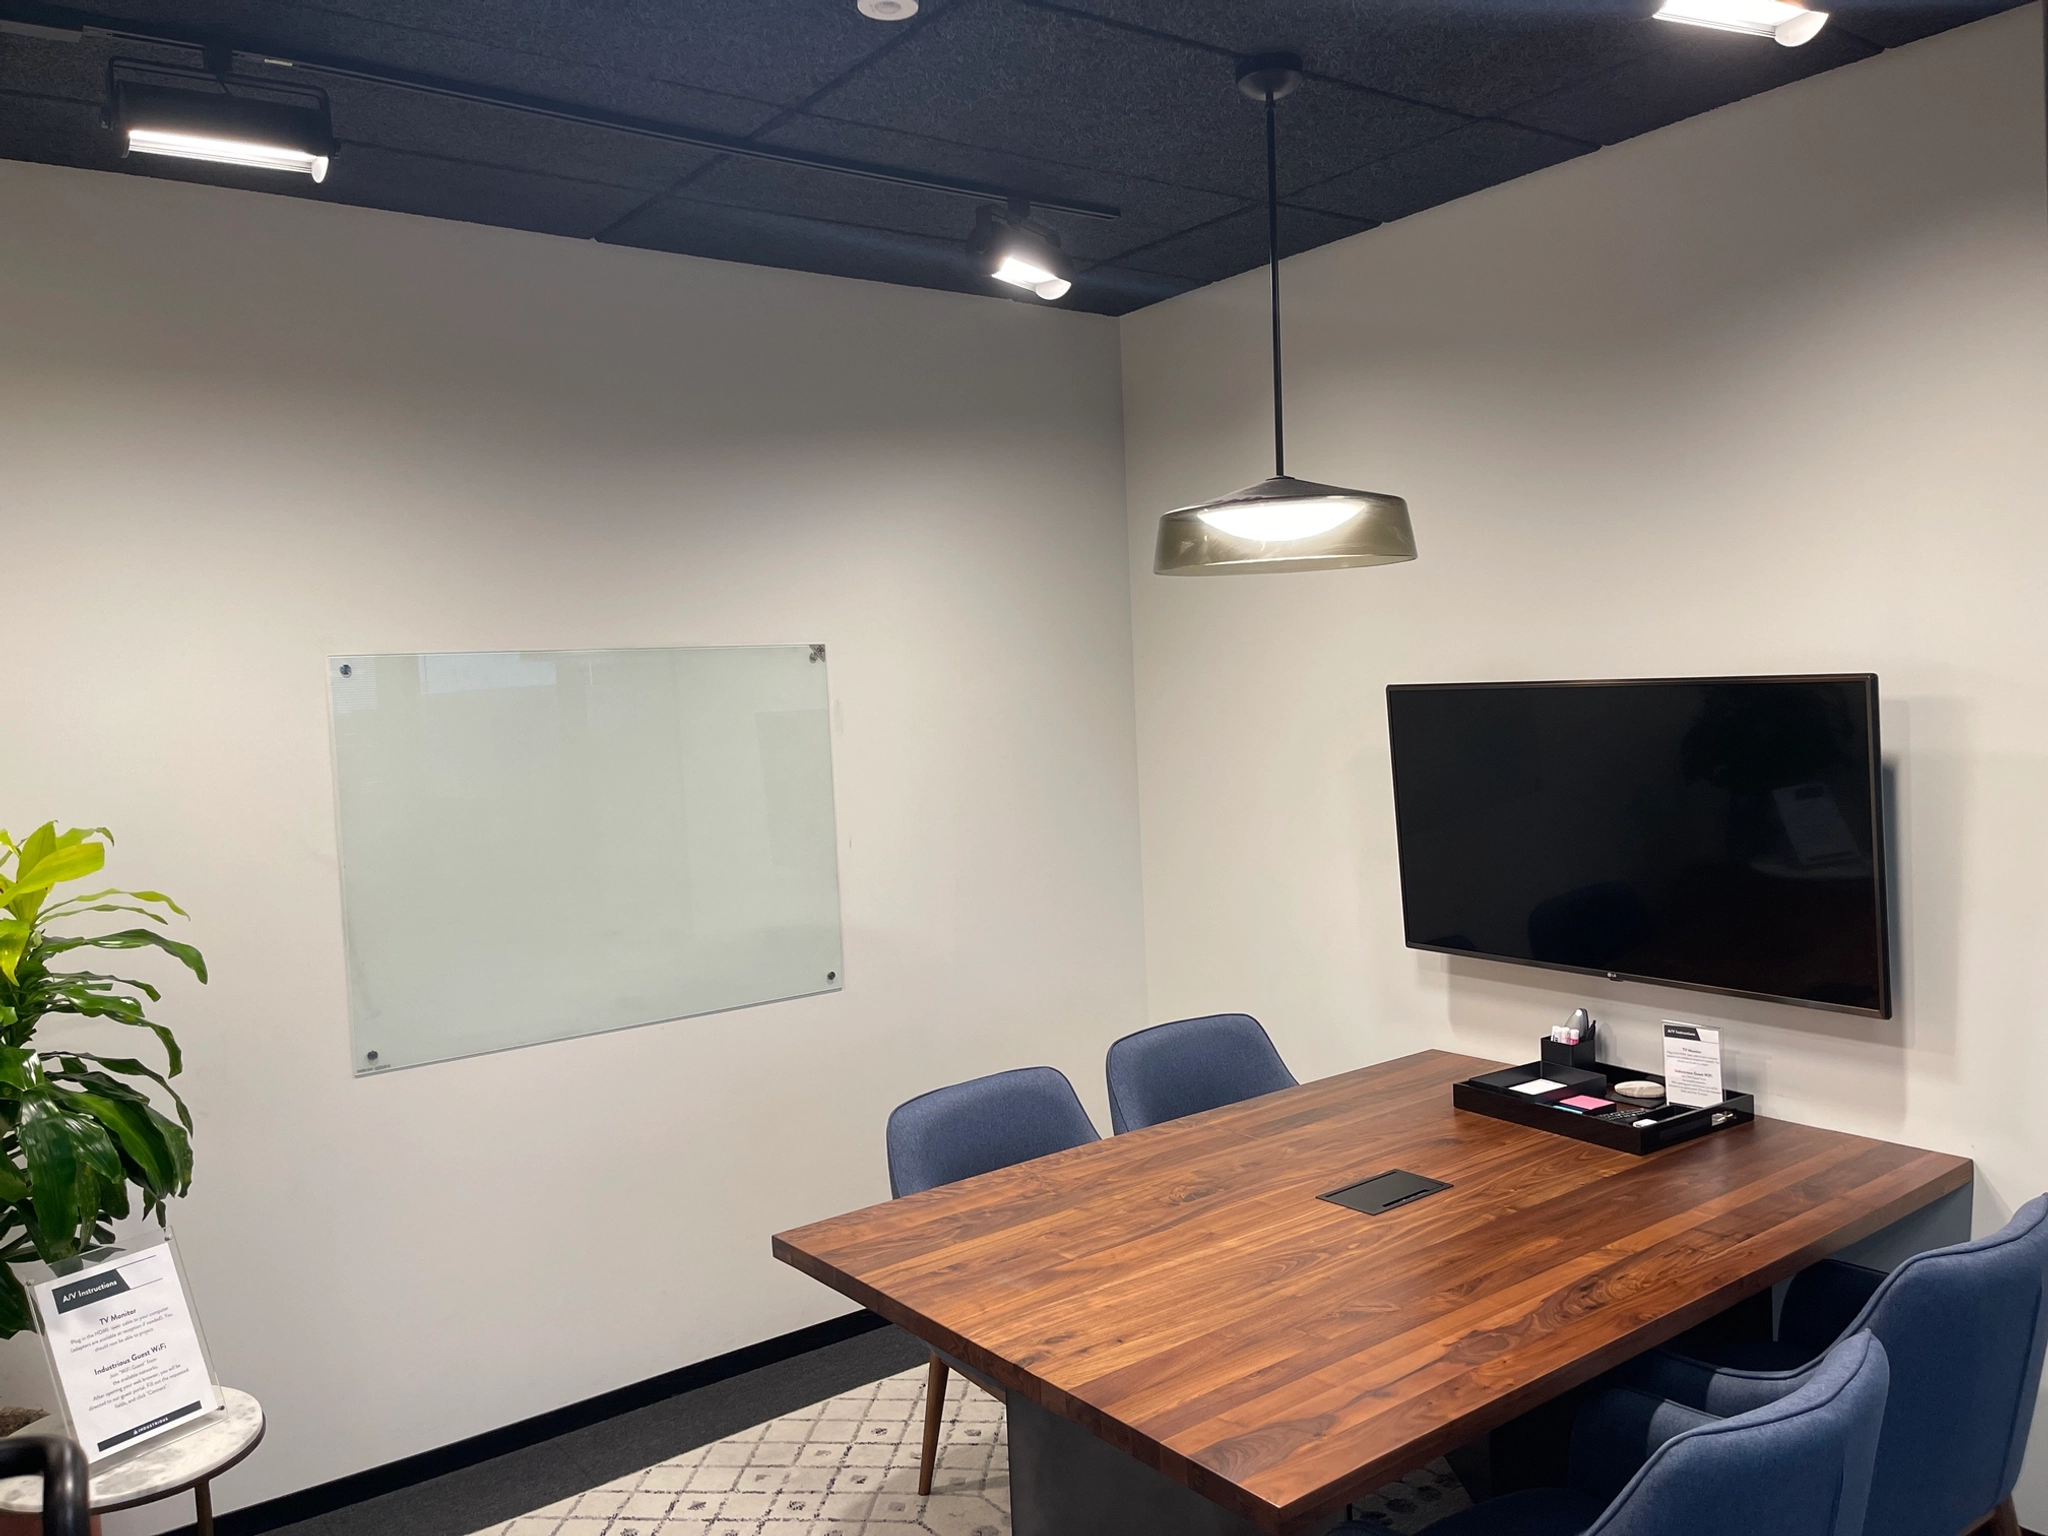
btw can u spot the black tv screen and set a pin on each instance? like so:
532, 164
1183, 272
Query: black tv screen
1724, 834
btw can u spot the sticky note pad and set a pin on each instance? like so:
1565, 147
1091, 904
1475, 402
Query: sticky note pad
1539, 1085
1585, 1101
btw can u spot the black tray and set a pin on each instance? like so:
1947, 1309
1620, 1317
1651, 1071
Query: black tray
1504, 1104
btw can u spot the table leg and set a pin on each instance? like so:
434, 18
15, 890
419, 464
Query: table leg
1066, 1482
202, 1499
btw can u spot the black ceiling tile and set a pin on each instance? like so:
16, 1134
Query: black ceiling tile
697, 227
406, 121
1698, 69
510, 197
1149, 210
55, 130
1476, 156
1237, 243
1893, 23
706, 61
1479, 57
998, 74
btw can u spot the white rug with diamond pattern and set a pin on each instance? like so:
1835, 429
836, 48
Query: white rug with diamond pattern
848, 1467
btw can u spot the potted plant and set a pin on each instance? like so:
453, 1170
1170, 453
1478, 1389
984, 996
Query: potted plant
76, 1129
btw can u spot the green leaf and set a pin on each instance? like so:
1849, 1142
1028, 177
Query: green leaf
134, 938
15, 933
71, 909
180, 1146
51, 1151
103, 980
12, 1186
15, 1316
128, 1066
131, 1126
36, 872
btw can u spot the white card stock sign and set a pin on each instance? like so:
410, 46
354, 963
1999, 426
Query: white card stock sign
1692, 1063
125, 1350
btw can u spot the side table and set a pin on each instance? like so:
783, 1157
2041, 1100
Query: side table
192, 1460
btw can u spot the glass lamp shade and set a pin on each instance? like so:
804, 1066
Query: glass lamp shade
1284, 524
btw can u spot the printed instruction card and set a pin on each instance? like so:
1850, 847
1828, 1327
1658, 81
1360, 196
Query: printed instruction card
1692, 1063
125, 1349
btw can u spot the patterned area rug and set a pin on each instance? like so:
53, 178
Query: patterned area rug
848, 1467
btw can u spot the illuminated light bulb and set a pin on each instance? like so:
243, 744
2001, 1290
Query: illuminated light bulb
197, 146
1789, 24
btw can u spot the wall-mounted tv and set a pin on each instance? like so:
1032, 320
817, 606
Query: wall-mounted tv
1724, 834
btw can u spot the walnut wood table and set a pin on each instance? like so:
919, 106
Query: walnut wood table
1193, 1342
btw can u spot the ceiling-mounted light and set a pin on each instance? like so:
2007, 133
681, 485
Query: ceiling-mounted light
1013, 250
1790, 24
1281, 524
221, 118
887, 10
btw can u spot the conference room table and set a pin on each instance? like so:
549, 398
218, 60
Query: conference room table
1191, 1341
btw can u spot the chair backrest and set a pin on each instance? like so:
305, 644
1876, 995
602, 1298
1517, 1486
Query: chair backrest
1800, 1466
984, 1124
1185, 1067
1964, 1328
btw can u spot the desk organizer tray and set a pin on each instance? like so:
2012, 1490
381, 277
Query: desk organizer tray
1493, 1093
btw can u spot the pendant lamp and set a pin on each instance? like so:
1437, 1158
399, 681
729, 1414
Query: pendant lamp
1281, 524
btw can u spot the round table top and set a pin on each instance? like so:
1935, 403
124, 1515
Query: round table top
177, 1464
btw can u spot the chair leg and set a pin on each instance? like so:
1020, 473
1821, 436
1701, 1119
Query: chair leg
934, 1411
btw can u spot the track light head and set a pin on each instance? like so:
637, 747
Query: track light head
220, 118
1269, 74
1011, 249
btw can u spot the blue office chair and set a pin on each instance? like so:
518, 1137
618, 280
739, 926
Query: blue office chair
1964, 1328
976, 1127
1798, 1466
1185, 1067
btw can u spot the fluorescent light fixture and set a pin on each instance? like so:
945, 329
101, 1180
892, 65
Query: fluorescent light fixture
224, 120
193, 146
1790, 24
1013, 250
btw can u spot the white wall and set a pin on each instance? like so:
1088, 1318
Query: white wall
240, 433
1760, 392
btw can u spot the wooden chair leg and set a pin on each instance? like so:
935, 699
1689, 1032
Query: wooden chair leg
934, 1411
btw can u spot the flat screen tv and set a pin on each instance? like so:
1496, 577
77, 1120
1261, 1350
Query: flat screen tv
1724, 834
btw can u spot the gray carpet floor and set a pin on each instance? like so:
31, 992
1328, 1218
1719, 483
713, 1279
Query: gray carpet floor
510, 1485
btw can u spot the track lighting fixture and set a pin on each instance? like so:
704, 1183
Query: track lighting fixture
1281, 524
1011, 249
1790, 24
190, 114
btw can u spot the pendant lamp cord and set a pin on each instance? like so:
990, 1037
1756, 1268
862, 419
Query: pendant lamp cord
1273, 267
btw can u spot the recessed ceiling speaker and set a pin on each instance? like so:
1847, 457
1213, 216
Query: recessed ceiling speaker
888, 10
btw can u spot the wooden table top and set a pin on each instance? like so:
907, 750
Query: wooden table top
1182, 1292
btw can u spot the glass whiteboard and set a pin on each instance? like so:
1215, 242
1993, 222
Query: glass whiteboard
542, 844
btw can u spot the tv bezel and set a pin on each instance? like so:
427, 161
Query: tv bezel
1880, 859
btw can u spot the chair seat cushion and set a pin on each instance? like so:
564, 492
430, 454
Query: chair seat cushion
1531, 1512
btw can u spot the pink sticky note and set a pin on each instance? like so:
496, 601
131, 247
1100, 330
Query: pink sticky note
1584, 1101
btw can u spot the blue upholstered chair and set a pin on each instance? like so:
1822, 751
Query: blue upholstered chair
1797, 1466
1964, 1328
976, 1127
1185, 1067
